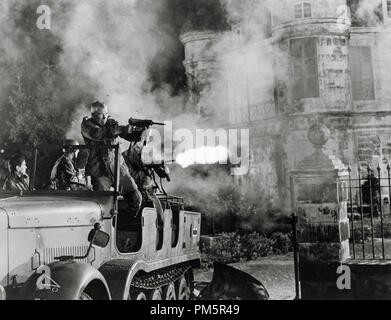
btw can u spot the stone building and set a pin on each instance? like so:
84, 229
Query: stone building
329, 61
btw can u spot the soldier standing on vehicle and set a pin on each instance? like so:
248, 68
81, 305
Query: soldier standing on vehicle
143, 177
101, 130
65, 174
18, 180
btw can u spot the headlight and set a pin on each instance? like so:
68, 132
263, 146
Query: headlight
2, 293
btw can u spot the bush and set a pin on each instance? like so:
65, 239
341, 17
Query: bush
376, 228
206, 257
358, 234
255, 245
282, 242
232, 247
226, 249
386, 228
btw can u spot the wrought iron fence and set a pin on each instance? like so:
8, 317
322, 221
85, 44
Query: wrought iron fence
369, 211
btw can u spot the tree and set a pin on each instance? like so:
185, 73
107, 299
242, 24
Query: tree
19, 109
39, 118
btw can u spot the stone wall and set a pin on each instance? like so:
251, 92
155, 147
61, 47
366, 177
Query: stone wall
320, 202
369, 280
319, 195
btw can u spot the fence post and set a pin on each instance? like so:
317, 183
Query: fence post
295, 256
320, 202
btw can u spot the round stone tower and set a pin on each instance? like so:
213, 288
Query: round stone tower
202, 67
312, 77
311, 47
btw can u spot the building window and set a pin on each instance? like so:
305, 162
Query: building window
303, 10
298, 11
362, 73
307, 10
304, 68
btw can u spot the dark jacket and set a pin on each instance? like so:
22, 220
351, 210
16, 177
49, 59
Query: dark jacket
101, 162
64, 173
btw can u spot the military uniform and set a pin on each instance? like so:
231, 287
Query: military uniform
64, 174
141, 175
101, 162
143, 179
17, 183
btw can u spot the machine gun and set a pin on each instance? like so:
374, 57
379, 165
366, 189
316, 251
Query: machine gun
160, 169
143, 124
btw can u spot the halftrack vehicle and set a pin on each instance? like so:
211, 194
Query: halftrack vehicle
86, 245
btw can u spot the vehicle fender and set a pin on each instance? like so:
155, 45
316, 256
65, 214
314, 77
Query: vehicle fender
229, 283
119, 274
65, 280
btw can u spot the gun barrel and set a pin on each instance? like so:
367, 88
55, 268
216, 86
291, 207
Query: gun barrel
141, 123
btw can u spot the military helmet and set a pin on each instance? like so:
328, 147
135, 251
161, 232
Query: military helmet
69, 145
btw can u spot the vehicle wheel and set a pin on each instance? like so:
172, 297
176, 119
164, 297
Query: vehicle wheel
169, 292
141, 296
155, 295
137, 295
84, 296
182, 289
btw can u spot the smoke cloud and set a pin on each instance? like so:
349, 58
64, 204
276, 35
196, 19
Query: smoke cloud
245, 60
124, 52
368, 12
108, 47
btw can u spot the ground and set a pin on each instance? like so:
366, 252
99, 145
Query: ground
275, 272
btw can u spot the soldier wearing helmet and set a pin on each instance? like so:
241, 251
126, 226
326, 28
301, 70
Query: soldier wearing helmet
65, 174
101, 130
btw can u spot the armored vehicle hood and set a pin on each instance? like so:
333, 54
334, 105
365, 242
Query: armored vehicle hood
44, 211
